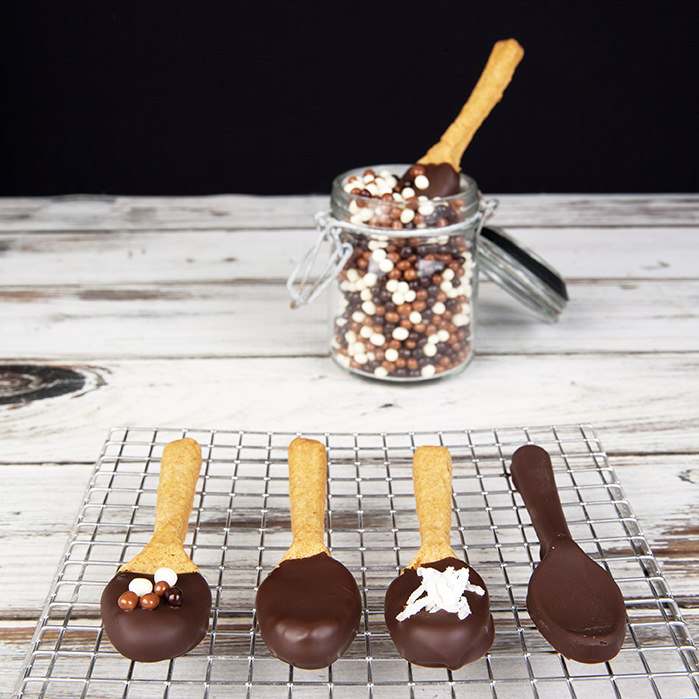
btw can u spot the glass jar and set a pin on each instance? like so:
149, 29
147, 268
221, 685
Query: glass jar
404, 301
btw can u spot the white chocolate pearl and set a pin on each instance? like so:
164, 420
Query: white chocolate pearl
392, 285
369, 308
448, 274
391, 354
370, 279
380, 372
460, 319
377, 339
398, 298
352, 275
407, 215
400, 333
438, 308
409, 296
366, 295
426, 209
343, 360
415, 317
141, 586
351, 337
386, 265
366, 331
358, 316
408, 192
427, 371
429, 349
378, 254
443, 335
361, 358
421, 182
166, 574
403, 287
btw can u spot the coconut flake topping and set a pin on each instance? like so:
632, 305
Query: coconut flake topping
441, 590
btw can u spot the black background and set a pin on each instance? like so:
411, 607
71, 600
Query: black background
278, 97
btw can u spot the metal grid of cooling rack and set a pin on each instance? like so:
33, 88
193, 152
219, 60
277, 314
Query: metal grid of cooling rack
240, 528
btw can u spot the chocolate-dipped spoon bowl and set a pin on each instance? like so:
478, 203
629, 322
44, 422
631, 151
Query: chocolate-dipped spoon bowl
157, 605
573, 601
308, 607
437, 610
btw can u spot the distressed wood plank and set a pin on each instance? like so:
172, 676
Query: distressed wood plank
86, 212
249, 319
268, 255
645, 400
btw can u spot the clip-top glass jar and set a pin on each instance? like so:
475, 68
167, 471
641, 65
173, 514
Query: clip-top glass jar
403, 307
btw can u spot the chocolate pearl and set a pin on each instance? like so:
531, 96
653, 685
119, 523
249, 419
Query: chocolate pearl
394, 274
406, 251
410, 274
149, 601
392, 317
416, 171
128, 601
161, 587
174, 597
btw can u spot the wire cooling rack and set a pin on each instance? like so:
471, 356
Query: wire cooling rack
240, 528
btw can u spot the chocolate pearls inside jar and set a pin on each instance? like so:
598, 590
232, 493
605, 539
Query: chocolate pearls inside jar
403, 305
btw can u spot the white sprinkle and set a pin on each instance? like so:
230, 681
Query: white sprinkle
415, 317
369, 308
377, 339
400, 333
445, 590
391, 354
141, 586
421, 182
386, 265
407, 215
427, 371
438, 308
380, 372
429, 350
166, 574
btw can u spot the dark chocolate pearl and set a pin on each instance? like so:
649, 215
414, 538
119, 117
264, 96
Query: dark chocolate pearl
160, 588
149, 601
174, 597
128, 601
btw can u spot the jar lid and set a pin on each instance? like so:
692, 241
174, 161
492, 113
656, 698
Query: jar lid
522, 273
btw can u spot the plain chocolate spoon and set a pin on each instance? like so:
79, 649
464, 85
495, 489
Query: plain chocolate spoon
573, 601
175, 623
437, 610
308, 607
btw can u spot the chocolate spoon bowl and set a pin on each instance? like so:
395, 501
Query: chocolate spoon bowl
308, 607
148, 630
437, 610
573, 601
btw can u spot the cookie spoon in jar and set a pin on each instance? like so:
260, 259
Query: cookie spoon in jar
157, 605
308, 607
437, 610
573, 601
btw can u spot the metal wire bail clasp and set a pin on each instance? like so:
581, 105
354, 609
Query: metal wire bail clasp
302, 287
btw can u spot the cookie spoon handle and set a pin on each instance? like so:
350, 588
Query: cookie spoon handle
432, 483
308, 473
532, 474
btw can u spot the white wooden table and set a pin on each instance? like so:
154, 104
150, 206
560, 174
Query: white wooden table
173, 312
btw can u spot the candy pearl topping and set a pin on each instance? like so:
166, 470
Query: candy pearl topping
174, 597
149, 601
128, 601
141, 586
160, 588
166, 574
